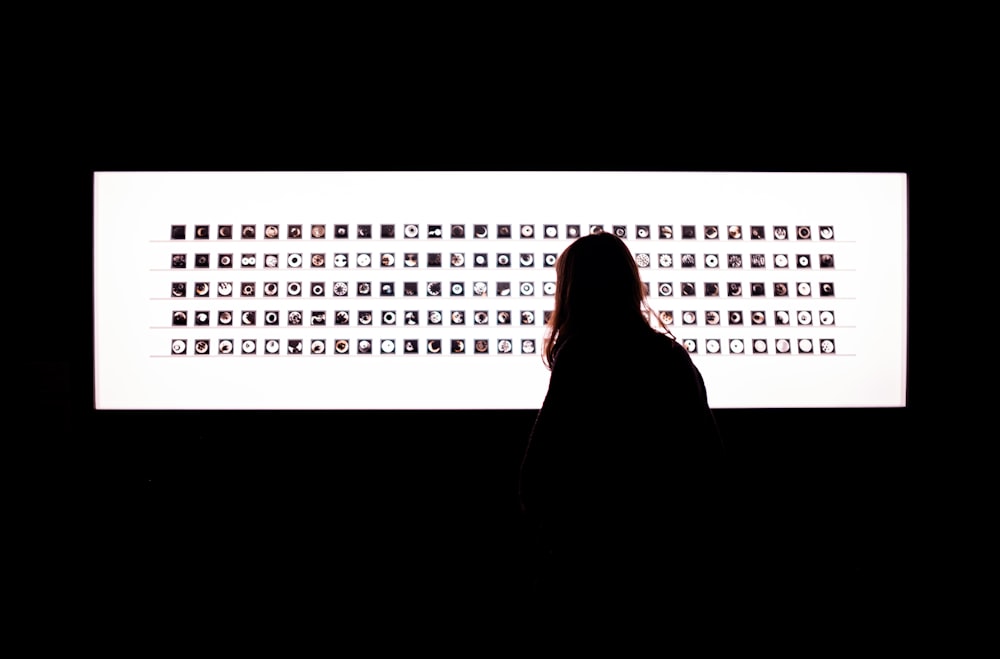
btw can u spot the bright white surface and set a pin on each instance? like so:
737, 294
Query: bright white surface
132, 248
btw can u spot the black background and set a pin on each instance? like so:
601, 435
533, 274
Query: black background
835, 511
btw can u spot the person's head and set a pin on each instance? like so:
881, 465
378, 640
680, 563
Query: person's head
597, 286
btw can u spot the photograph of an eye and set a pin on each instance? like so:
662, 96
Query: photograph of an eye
782, 317
757, 318
759, 346
180, 318
826, 318
782, 346
248, 318
735, 289
826, 346
690, 345
756, 232
411, 230
480, 231
665, 289
826, 233
711, 260
528, 346
527, 288
388, 231
387, 289
666, 232
248, 347
505, 346
364, 231
201, 260
318, 231
803, 232
736, 346
294, 231
503, 318
178, 261
434, 346
689, 318
225, 317
712, 318
248, 231
457, 260
226, 346
457, 288
503, 288
826, 289
805, 346
294, 260
317, 346
572, 230
341, 346
294, 317
780, 233
711, 232
387, 346
712, 346
620, 230
803, 261
364, 317
435, 231
318, 318
294, 346
735, 232
780, 289
735, 317
271, 317
804, 289
410, 346
687, 288
178, 346
364, 346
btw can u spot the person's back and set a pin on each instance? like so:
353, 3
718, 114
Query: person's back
620, 476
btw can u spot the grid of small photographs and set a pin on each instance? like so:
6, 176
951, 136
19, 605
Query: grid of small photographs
353, 289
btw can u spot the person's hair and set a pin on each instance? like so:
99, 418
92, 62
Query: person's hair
597, 285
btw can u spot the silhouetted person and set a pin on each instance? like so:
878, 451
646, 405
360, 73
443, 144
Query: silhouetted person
619, 482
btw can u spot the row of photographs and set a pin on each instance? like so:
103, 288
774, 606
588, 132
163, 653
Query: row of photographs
501, 231
295, 289
483, 260
504, 346
412, 318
